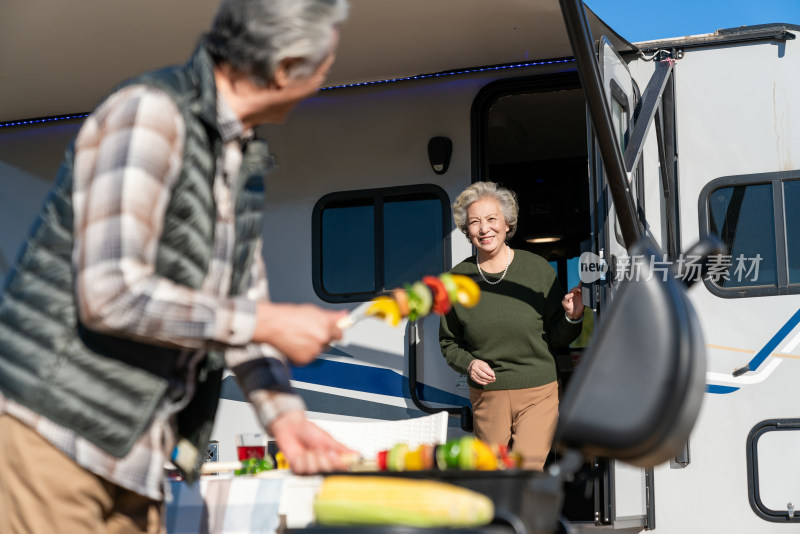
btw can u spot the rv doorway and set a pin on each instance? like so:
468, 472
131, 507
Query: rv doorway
530, 136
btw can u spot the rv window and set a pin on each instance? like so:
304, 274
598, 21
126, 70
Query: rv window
362, 243
753, 216
773, 466
407, 259
791, 194
742, 216
620, 116
349, 228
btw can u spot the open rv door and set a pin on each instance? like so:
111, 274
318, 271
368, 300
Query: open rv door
625, 493
621, 94
620, 118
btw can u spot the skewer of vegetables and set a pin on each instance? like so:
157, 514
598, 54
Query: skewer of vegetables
432, 294
464, 453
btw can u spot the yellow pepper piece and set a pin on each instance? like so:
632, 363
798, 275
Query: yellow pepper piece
468, 291
485, 460
414, 460
281, 460
385, 308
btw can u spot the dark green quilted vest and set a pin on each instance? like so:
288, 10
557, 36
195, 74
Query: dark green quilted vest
106, 388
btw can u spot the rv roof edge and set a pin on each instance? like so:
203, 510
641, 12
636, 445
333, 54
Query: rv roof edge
761, 32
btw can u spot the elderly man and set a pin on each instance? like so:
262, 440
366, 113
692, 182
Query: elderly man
143, 279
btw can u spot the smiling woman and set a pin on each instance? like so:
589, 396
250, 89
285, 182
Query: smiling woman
504, 346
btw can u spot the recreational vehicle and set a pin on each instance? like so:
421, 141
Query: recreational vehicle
675, 160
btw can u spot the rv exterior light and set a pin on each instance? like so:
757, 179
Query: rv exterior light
439, 151
543, 239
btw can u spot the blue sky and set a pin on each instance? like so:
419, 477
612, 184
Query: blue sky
642, 20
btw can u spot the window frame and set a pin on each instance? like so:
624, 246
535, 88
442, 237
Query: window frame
378, 197
753, 485
620, 97
776, 179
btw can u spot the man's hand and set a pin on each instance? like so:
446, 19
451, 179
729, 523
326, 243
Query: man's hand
298, 331
307, 447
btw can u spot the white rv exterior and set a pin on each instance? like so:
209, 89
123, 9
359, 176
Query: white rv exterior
363, 143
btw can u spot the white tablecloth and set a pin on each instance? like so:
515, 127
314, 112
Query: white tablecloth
239, 505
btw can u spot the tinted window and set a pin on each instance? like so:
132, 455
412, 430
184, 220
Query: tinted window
743, 217
412, 245
791, 194
619, 119
368, 241
348, 249
756, 218
620, 116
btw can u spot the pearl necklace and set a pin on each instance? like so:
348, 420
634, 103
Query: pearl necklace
508, 262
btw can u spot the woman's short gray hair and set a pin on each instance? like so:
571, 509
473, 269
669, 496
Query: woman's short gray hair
505, 197
254, 36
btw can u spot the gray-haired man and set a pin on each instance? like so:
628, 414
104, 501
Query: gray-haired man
143, 279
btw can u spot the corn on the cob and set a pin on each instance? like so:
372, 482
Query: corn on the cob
375, 500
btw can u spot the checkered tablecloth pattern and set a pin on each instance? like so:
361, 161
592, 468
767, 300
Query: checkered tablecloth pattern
218, 505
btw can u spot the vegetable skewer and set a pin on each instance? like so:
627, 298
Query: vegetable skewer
435, 294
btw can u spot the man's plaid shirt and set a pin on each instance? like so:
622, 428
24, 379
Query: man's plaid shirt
128, 156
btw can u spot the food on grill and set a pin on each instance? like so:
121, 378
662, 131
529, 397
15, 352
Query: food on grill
254, 466
434, 294
464, 453
348, 500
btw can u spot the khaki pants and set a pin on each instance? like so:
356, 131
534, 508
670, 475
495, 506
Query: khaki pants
526, 418
44, 491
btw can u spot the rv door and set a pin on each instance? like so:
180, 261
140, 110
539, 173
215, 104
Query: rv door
621, 94
622, 494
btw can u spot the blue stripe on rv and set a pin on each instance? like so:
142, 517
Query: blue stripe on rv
720, 390
773, 343
337, 404
763, 354
370, 380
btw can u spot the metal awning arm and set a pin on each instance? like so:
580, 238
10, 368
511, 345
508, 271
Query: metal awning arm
650, 102
589, 74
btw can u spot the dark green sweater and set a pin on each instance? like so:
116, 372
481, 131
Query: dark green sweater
514, 327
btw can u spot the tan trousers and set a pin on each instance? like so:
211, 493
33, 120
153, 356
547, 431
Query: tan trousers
524, 418
44, 491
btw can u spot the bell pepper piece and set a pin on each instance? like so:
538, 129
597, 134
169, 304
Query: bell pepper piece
447, 454
485, 459
413, 460
385, 308
468, 291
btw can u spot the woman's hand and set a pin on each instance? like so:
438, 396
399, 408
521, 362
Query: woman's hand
573, 303
480, 372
